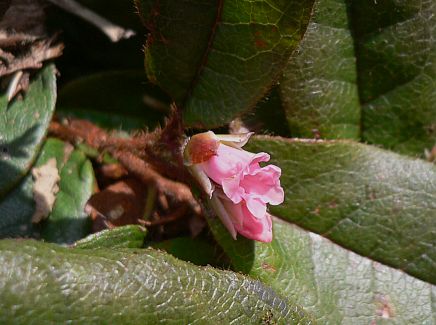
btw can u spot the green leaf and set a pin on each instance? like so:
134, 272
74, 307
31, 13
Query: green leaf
115, 99
23, 125
53, 148
46, 283
18, 206
396, 56
337, 286
268, 117
68, 221
196, 250
376, 203
218, 58
131, 236
16, 210
369, 64
318, 87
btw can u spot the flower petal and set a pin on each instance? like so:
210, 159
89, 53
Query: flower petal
256, 207
234, 210
235, 140
226, 163
223, 214
256, 229
202, 179
259, 157
232, 189
264, 183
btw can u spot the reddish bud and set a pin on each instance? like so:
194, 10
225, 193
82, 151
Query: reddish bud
201, 147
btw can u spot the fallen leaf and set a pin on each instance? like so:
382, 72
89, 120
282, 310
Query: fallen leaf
29, 56
119, 204
45, 188
24, 44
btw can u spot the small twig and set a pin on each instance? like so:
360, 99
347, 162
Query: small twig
112, 31
113, 170
13, 84
79, 131
163, 202
179, 213
155, 103
150, 201
148, 175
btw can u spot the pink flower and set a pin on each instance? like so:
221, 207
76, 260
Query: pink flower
240, 189
237, 218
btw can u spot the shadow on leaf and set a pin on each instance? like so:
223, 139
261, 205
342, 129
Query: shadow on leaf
16, 202
9, 151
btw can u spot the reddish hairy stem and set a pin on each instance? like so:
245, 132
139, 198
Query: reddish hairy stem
82, 130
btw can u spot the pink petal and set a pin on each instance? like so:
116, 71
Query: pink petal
226, 163
244, 222
259, 157
256, 229
202, 179
234, 210
225, 215
264, 183
232, 189
256, 207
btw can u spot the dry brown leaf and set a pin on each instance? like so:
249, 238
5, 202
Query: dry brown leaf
120, 204
31, 57
45, 188
24, 43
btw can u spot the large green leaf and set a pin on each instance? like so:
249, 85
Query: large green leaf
23, 124
336, 285
376, 203
218, 58
43, 283
68, 220
18, 206
396, 62
318, 87
268, 117
114, 99
196, 250
371, 59
16, 210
